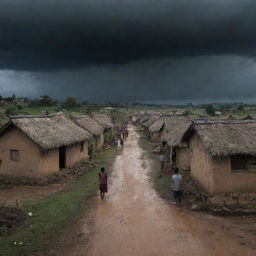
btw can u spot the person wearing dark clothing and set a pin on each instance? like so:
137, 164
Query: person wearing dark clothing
103, 182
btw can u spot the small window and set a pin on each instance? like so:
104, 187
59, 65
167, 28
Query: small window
14, 155
240, 163
81, 146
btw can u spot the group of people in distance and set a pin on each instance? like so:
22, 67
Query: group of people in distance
176, 181
122, 135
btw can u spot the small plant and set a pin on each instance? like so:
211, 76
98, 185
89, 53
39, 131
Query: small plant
3, 230
204, 207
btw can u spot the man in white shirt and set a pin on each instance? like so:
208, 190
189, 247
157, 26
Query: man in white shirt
176, 186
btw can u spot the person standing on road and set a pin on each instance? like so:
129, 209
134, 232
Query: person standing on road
122, 143
177, 186
103, 182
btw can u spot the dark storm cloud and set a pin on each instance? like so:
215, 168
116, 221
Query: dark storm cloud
55, 34
209, 77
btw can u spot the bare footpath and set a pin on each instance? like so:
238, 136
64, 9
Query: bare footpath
133, 220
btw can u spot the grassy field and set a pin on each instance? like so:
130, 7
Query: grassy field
52, 214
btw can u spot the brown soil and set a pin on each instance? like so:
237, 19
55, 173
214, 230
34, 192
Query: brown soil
11, 218
18, 194
134, 220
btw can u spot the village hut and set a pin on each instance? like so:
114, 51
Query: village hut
92, 126
223, 155
107, 124
35, 146
148, 123
104, 120
248, 117
180, 152
156, 128
231, 117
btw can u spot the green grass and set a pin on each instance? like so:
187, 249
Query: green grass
54, 213
161, 184
148, 146
161, 181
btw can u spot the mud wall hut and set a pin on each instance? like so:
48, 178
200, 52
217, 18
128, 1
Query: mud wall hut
223, 155
107, 124
92, 126
181, 154
34, 146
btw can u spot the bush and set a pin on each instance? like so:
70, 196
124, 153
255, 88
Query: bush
210, 110
11, 111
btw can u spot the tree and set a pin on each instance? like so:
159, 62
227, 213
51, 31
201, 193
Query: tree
240, 108
45, 100
210, 110
70, 103
186, 113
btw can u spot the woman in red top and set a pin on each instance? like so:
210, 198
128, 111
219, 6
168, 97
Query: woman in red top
103, 182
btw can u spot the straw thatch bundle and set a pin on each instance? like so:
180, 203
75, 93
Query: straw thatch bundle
104, 120
174, 137
89, 124
49, 131
226, 137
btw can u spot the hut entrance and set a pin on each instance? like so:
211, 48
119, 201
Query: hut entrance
62, 157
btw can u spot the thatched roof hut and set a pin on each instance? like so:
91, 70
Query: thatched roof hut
104, 120
225, 137
248, 117
150, 121
89, 124
48, 131
231, 117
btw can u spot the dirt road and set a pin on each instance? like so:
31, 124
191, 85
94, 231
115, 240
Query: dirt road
132, 220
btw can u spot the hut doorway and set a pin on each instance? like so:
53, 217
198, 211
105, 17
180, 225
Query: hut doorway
62, 157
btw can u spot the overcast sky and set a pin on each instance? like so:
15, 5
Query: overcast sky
129, 50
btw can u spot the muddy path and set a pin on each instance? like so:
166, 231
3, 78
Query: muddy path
133, 220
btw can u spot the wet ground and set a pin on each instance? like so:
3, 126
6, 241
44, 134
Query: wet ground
133, 220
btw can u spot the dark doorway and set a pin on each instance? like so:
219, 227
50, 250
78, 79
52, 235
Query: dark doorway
62, 157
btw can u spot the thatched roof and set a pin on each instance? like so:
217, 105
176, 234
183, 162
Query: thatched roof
144, 118
104, 120
150, 121
248, 117
230, 117
48, 131
157, 125
172, 121
225, 137
174, 137
89, 124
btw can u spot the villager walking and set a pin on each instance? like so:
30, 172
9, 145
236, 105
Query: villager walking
162, 156
118, 144
103, 182
177, 186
